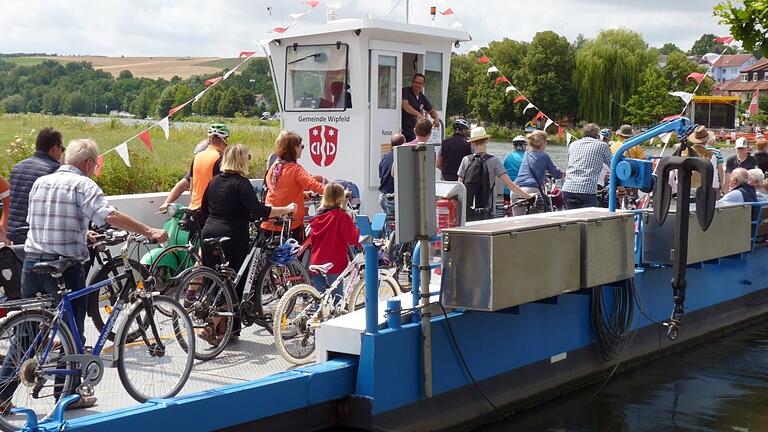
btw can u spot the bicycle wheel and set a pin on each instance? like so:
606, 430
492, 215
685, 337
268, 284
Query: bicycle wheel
24, 379
274, 280
210, 305
171, 262
296, 318
388, 288
158, 363
100, 303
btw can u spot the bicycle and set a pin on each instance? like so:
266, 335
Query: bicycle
302, 309
44, 360
397, 255
209, 295
166, 264
530, 205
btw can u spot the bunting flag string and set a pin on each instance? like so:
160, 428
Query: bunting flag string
548, 123
122, 151
510, 88
146, 139
212, 81
529, 106
491, 70
483, 60
165, 126
519, 98
501, 79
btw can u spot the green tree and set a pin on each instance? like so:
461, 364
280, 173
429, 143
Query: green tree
125, 74
669, 48
75, 103
608, 71
651, 101
209, 103
230, 103
748, 22
580, 41
706, 44
13, 104
676, 73
464, 69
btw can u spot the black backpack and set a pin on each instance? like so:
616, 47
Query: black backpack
479, 187
10, 274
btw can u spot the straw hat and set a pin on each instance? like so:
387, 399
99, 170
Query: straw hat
700, 135
477, 134
625, 131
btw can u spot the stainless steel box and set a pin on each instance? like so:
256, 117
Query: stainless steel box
607, 244
498, 264
729, 234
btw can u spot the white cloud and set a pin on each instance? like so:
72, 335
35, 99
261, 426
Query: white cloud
224, 28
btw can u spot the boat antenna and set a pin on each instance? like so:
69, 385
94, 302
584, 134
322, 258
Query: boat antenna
407, 11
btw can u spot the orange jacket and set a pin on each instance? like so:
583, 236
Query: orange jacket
288, 187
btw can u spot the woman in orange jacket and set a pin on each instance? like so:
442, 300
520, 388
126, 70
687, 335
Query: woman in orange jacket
286, 182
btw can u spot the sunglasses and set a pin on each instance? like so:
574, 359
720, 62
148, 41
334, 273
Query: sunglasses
302, 146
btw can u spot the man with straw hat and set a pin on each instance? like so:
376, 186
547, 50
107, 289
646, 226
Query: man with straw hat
625, 132
703, 142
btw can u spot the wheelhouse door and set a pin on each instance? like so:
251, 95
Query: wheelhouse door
386, 85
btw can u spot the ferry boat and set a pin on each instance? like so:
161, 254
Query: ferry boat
515, 311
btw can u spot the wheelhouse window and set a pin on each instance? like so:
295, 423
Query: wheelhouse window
317, 78
433, 72
387, 90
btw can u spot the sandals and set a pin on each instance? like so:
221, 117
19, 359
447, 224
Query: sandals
213, 333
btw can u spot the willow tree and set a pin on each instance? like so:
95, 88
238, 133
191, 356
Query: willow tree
608, 70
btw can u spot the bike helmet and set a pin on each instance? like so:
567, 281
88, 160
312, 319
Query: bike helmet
460, 124
520, 141
606, 133
286, 252
218, 129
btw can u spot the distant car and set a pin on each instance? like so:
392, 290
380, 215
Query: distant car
149, 118
277, 116
266, 115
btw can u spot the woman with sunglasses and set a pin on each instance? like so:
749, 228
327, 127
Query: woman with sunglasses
286, 181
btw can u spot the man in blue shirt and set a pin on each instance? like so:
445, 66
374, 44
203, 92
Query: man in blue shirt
513, 160
386, 180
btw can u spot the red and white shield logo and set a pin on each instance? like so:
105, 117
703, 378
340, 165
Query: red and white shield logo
323, 144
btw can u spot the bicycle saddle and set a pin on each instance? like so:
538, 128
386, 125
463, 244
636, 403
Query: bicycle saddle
321, 268
55, 267
215, 241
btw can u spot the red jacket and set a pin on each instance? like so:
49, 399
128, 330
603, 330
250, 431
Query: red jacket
331, 232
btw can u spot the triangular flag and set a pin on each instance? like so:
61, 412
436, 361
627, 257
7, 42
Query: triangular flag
539, 115
99, 165
165, 126
510, 88
279, 29
483, 59
568, 138
519, 98
529, 106
229, 72
176, 109
696, 76
685, 96
456, 25
246, 54
144, 136
547, 124
122, 151
213, 81
312, 3
711, 58
666, 137
753, 106
448, 11
199, 95
491, 70
474, 48
723, 39
297, 16
501, 79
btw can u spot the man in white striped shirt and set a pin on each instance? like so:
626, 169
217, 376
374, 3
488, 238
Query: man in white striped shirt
585, 163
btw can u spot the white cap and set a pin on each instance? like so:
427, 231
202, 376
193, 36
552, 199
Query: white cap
741, 142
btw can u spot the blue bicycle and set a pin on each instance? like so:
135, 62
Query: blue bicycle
44, 359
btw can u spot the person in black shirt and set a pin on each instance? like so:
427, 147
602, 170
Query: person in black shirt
761, 155
415, 104
386, 180
229, 203
742, 159
453, 150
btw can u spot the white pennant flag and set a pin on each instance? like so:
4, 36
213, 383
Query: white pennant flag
548, 123
666, 137
200, 95
165, 126
685, 96
711, 58
568, 138
491, 70
529, 106
474, 48
296, 16
122, 151
511, 88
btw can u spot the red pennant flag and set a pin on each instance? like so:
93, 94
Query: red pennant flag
519, 98
212, 81
753, 106
501, 79
540, 115
176, 109
672, 117
560, 131
448, 11
312, 3
99, 165
279, 29
724, 39
696, 76
246, 54
483, 59
144, 136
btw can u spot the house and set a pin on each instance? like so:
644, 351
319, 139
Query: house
751, 78
727, 67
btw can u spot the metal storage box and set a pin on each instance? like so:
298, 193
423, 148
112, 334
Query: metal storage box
607, 244
729, 234
498, 264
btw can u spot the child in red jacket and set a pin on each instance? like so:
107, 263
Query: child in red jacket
332, 230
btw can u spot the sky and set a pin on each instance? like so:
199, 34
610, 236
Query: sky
223, 28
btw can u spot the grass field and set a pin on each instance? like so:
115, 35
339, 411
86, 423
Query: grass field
152, 171
148, 67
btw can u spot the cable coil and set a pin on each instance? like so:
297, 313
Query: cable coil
612, 312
